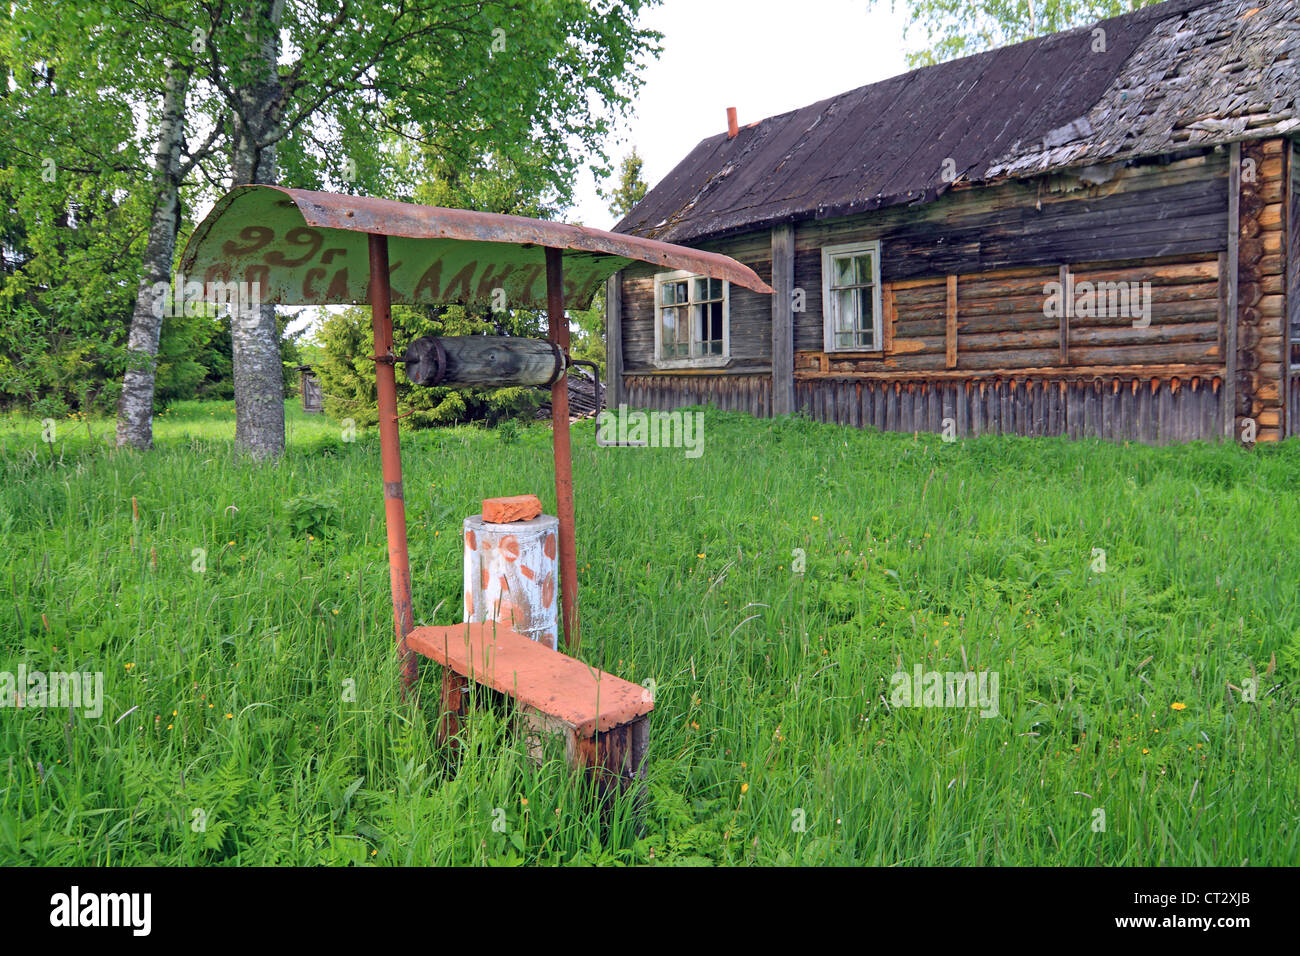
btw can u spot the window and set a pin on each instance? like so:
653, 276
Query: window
851, 297
690, 318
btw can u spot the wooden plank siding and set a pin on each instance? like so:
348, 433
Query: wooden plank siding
966, 333
750, 313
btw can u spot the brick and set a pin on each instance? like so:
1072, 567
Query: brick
514, 508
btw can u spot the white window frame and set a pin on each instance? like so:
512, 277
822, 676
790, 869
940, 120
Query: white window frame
698, 361
828, 302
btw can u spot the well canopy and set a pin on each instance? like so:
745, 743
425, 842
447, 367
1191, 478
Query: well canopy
311, 248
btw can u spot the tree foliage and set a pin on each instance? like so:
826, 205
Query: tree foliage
492, 104
956, 28
631, 187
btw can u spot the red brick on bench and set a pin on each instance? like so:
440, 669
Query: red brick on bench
514, 508
603, 718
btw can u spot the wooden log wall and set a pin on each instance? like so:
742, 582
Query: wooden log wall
1021, 371
967, 336
1001, 322
1291, 359
1151, 212
735, 393
1261, 286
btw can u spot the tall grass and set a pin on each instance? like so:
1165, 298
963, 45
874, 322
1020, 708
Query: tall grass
252, 713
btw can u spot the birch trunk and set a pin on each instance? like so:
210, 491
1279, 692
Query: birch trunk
135, 404
255, 343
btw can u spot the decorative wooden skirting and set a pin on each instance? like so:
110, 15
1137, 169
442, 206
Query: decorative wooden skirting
736, 393
1120, 407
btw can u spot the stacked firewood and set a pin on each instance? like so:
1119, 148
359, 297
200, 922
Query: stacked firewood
583, 400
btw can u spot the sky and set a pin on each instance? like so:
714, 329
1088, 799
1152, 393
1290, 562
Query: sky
763, 57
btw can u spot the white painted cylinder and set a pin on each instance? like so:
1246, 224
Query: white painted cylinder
511, 575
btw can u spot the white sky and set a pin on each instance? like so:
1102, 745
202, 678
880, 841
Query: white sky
763, 57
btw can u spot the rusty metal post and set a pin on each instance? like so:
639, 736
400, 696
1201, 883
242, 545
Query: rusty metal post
399, 565
557, 330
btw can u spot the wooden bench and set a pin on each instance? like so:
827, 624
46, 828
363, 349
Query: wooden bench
602, 719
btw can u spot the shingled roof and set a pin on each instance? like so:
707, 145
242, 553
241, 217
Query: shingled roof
1174, 75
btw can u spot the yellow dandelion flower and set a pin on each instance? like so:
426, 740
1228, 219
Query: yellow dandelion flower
229, 716
744, 788
1177, 705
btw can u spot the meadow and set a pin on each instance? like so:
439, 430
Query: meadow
1138, 605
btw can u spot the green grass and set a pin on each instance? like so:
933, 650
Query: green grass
772, 687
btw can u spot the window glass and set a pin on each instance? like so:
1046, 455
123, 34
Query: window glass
691, 317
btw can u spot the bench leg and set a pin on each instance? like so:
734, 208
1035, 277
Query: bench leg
453, 705
616, 757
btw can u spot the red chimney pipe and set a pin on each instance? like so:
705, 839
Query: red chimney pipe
732, 127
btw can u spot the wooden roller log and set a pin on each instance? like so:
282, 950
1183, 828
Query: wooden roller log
458, 361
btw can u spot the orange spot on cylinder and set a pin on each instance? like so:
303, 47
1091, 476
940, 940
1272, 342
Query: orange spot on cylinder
505, 585
528, 572
548, 590
509, 547
548, 546
469, 605
471, 539
483, 576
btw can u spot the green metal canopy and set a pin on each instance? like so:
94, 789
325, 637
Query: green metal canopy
310, 248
